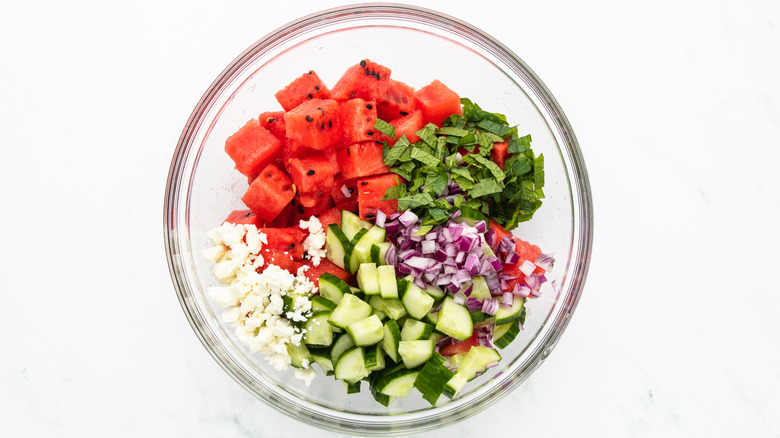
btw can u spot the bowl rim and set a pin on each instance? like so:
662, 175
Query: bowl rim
557, 121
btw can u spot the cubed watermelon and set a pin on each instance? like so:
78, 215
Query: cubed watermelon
357, 117
314, 272
252, 147
243, 217
307, 87
269, 193
314, 124
437, 102
408, 125
287, 240
311, 174
330, 216
317, 206
345, 199
273, 121
398, 101
370, 193
362, 159
366, 80
312, 200
280, 258
498, 153
287, 218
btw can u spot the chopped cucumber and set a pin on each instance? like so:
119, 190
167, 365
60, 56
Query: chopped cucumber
433, 377
391, 339
475, 361
393, 308
505, 316
414, 330
351, 224
415, 353
454, 320
479, 288
350, 309
321, 304
388, 283
436, 292
318, 331
367, 331
351, 260
352, 388
321, 357
398, 382
374, 235
336, 244
505, 334
374, 357
368, 278
332, 287
379, 253
342, 344
299, 355
416, 302
351, 366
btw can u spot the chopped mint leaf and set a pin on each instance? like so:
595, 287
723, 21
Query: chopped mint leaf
385, 128
415, 201
519, 145
487, 186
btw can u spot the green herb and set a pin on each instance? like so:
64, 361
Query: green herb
385, 128
508, 196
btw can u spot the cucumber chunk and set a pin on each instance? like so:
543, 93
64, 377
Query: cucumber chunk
433, 377
379, 253
342, 344
374, 357
351, 260
299, 355
321, 304
388, 283
391, 339
351, 366
503, 335
454, 320
321, 357
368, 278
505, 316
374, 235
415, 300
350, 309
398, 382
415, 330
351, 224
336, 244
415, 353
332, 288
318, 331
367, 331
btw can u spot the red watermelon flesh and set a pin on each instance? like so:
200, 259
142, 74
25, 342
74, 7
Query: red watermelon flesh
286, 218
370, 193
366, 80
252, 147
437, 102
342, 201
526, 251
279, 258
398, 101
314, 124
269, 193
314, 272
311, 200
273, 121
307, 87
408, 125
311, 174
330, 216
321, 204
362, 159
243, 217
357, 117
498, 153
286, 240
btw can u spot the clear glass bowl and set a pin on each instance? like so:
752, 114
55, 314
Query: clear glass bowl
419, 45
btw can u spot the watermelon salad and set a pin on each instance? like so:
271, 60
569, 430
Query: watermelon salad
375, 244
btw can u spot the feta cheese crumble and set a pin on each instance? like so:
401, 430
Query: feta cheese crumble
314, 245
261, 306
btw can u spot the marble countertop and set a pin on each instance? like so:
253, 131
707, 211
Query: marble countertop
676, 106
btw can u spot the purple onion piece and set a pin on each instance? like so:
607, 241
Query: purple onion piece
473, 304
408, 218
481, 226
390, 255
380, 218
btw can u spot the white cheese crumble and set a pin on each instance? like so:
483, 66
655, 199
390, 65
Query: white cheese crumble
255, 302
314, 245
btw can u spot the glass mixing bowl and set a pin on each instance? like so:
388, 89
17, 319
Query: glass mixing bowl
419, 45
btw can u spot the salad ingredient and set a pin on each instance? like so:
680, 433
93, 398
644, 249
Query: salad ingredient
269, 193
306, 87
252, 148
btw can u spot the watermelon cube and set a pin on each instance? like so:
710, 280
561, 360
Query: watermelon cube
498, 153
314, 272
269, 193
273, 121
307, 87
330, 216
286, 240
437, 102
312, 174
314, 124
243, 217
398, 101
344, 194
357, 117
362, 159
407, 125
366, 80
370, 193
252, 147
312, 201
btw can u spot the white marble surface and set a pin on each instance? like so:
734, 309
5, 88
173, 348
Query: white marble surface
676, 106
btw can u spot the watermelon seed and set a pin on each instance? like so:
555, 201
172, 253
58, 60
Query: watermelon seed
310, 172
370, 216
367, 71
310, 96
309, 119
293, 202
351, 190
291, 247
369, 106
317, 87
363, 63
369, 133
271, 120
322, 128
377, 76
364, 183
310, 72
404, 113
330, 123
300, 209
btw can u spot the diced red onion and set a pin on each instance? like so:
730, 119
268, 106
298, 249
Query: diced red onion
345, 191
444, 280
481, 226
490, 237
428, 247
545, 261
495, 263
451, 250
508, 299
512, 258
390, 255
431, 236
392, 226
533, 282
473, 304
472, 264
536, 293
455, 214
440, 255
459, 257
455, 231
408, 218
395, 215
459, 298
462, 276
428, 278
490, 306
419, 282
521, 290
493, 283
403, 268
453, 288
527, 267
380, 218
